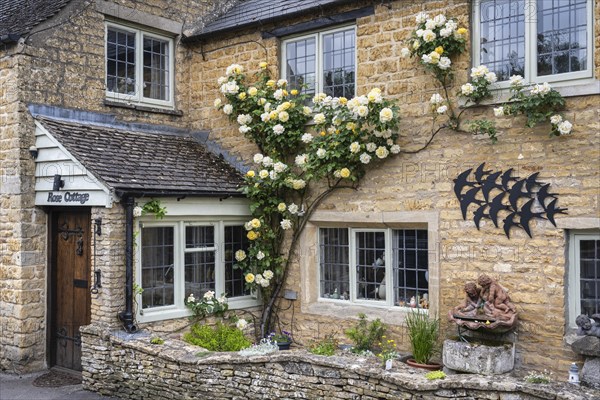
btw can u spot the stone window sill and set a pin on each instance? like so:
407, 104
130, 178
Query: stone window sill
138, 107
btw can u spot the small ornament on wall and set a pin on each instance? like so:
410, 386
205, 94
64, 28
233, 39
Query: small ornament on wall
499, 196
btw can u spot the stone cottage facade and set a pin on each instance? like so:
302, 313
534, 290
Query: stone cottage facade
72, 88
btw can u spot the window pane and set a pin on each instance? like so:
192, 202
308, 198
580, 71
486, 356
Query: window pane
235, 239
156, 68
589, 262
370, 265
120, 61
199, 237
502, 39
199, 273
300, 64
339, 63
561, 36
157, 267
410, 267
334, 263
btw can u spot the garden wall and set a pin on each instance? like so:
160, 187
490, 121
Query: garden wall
129, 367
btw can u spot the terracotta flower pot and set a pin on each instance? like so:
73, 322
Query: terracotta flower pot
429, 367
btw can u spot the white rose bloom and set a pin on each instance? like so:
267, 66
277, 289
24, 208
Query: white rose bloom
386, 114
258, 158
286, 224
293, 208
439, 20
268, 274
137, 211
265, 117
191, 298
555, 119
365, 158
240, 255
273, 175
267, 107
467, 89
430, 24
279, 167
362, 111
426, 58
244, 119
217, 103
382, 152
263, 174
306, 110
429, 35
278, 94
241, 324
267, 161
252, 91
248, 226
444, 63
318, 98
442, 109
421, 17
222, 80
321, 153
371, 147
319, 118
516, 80
264, 283
405, 52
499, 111
354, 147
234, 69
244, 129
228, 109
298, 184
419, 32
284, 116
260, 255
451, 24
301, 160
209, 295
282, 83
262, 101
395, 149
307, 138
479, 72
389, 142
445, 32
565, 127
278, 129
230, 87
337, 174
436, 98
491, 77
258, 279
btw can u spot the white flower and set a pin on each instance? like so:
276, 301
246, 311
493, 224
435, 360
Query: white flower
293, 208
267, 107
386, 134
273, 175
268, 274
365, 158
499, 111
298, 184
241, 324
191, 298
479, 72
565, 127
258, 279
421, 17
248, 226
321, 153
306, 110
278, 129
491, 77
405, 52
419, 32
429, 35
386, 114
442, 109
262, 101
444, 63
267, 161
371, 146
337, 173
439, 20
307, 138
244, 119
301, 160
389, 142
541, 89
319, 118
284, 116
263, 174
286, 224
279, 167
260, 255
445, 32
258, 158
222, 80
265, 117
282, 83
436, 99
221, 299
244, 129
278, 94
395, 149
137, 211
234, 69
382, 152
556, 119
451, 25
430, 24
362, 111
354, 147
217, 103
516, 80
228, 109
252, 91
467, 89
230, 87
264, 283
318, 98
209, 295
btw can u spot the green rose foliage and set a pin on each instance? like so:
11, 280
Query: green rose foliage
538, 103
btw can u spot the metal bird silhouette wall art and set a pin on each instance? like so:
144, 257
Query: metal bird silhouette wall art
499, 196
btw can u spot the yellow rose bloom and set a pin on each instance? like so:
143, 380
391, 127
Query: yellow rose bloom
439, 50
344, 172
249, 277
263, 65
462, 31
271, 83
250, 174
285, 105
242, 96
285, 92
351, 126
252, 235
294, 92
255, 223
416, 44
323, 133
252, 91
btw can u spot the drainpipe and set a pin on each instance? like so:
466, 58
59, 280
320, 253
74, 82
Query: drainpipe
126, 316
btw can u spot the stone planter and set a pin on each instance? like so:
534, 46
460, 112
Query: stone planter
476, 358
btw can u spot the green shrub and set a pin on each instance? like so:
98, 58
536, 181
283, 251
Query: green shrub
423, 335
365, 334
218, 338
324, 347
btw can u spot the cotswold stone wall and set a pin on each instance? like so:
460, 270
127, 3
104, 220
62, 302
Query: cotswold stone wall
131, 368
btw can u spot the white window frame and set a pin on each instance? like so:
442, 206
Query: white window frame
318, 35
138, 97
178, 309
530, 12
575, 272
389, 276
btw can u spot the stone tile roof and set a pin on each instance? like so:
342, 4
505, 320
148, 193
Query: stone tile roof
19, 17
247, 13
134, 161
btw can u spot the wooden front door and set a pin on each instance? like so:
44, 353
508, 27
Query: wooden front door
70, 287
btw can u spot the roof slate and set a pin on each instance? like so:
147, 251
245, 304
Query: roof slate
19, 17
255, 12
135, 161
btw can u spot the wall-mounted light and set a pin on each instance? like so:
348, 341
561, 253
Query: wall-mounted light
58, 183
33, 151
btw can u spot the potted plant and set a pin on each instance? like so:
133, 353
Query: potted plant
283, 339
423, 333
